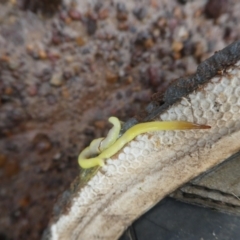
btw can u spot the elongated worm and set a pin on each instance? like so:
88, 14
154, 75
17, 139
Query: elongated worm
100, 144
112, 134
113, 144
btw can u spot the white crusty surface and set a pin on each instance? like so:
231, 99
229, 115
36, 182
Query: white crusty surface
155, 164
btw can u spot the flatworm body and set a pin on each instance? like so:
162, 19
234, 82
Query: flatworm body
113, 144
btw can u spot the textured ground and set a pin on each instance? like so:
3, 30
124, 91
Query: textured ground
63, 75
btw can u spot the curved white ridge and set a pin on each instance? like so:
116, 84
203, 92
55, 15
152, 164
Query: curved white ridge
155, 164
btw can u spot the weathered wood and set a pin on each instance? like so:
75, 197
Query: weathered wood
154, 165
